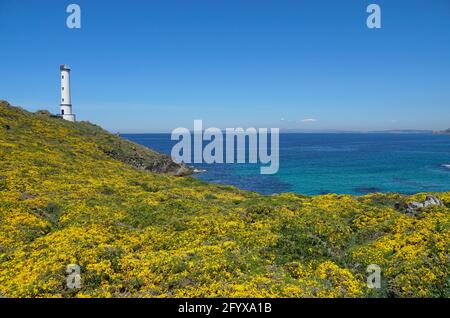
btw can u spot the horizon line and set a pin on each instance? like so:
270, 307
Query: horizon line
301, 131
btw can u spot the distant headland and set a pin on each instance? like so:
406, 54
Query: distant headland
442, 132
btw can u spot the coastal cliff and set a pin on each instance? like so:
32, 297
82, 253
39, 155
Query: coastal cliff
71, 193
115, 147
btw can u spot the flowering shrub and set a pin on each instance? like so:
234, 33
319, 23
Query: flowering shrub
137, 234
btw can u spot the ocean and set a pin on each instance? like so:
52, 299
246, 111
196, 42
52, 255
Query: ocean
344, 163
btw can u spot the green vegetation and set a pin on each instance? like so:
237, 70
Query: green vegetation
70, 193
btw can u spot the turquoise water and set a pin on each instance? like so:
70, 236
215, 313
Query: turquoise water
337, 163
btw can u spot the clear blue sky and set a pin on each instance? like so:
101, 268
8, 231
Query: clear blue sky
156, 65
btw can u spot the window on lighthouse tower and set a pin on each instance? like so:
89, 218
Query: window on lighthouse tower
62, 111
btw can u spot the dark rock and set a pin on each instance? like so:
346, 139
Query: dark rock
400, 206
157, 163
415, 208
432, 200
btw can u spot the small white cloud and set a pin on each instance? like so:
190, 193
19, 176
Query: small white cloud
309, 120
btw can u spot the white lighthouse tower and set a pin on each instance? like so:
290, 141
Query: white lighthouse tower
66, 103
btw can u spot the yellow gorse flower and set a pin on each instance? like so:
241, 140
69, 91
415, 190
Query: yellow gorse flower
136, 234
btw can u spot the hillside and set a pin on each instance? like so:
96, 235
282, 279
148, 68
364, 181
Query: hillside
74, 194
113, 146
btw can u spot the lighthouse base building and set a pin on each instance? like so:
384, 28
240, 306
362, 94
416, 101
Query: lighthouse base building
66, 103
